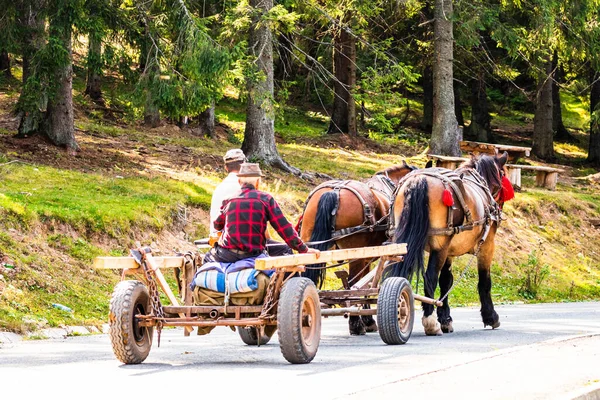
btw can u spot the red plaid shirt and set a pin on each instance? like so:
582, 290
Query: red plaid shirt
244, 218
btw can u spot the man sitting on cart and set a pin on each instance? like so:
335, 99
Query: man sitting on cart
243, 222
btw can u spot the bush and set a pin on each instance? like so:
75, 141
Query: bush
535, 274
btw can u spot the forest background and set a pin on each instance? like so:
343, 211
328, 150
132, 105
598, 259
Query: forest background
114, 116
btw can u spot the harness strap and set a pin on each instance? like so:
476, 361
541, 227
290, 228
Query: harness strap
369, 219
449, 179
455, 181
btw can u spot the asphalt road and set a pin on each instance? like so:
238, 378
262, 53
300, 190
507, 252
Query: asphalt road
544, 351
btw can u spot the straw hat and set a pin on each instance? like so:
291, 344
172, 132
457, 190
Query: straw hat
250, 170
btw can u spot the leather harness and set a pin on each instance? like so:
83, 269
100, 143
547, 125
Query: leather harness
367, 201
454, 180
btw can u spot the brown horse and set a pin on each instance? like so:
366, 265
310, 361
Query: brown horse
450, 213
348, 214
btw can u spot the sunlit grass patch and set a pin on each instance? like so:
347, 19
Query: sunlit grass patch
575, 111
94, 203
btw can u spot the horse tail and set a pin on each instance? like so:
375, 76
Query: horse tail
412, 229
321, 234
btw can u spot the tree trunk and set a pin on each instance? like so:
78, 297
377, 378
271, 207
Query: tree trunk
480, 127
543, 144
594, 150
94, 65
343, 117
59, 124
446, 135
5, 64
427, 122
32, 102
259, 136
151, 111
457, 105
206, 122
558, 127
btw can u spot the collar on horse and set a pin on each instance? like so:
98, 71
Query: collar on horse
386, 186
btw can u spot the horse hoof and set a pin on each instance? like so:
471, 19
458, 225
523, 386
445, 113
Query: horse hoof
372, 328
432, 326
494, 325
447, 327
359, 332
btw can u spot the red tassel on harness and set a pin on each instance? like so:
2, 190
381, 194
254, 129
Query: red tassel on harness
508, 192
447, 198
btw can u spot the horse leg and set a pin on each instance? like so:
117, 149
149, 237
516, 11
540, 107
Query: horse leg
437, 258
443, 312
484, 262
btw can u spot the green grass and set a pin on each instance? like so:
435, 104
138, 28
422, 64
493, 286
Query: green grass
91, 202
575, 111
44, 276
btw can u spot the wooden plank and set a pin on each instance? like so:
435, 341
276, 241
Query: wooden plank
534, 168
129, 262
329, 256
446, 158
514, 152
467, 145
446, 161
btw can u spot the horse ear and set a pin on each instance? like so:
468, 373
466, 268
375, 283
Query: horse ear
503, 159
429, 164
404, 164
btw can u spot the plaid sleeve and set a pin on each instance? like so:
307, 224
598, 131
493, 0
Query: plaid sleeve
219, 223
284, 227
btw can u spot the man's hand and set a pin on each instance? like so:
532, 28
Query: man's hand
314, 251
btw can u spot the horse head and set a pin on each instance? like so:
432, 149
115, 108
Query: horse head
493, 170
397, 172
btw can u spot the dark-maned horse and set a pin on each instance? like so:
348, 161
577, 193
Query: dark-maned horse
356, 214
450, 213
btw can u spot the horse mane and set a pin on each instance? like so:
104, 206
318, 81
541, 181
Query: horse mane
487, 167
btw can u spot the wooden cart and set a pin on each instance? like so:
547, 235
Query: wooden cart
292, 305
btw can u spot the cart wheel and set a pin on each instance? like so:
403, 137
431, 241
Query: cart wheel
395, 311
131, 343
299, 320
248, 335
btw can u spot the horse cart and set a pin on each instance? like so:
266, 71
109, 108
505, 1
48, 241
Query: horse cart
291, 304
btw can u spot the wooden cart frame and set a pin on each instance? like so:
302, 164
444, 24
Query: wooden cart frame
292, 305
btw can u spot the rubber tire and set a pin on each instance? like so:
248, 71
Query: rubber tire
299, 300
131, 344
391, 329
248, 335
